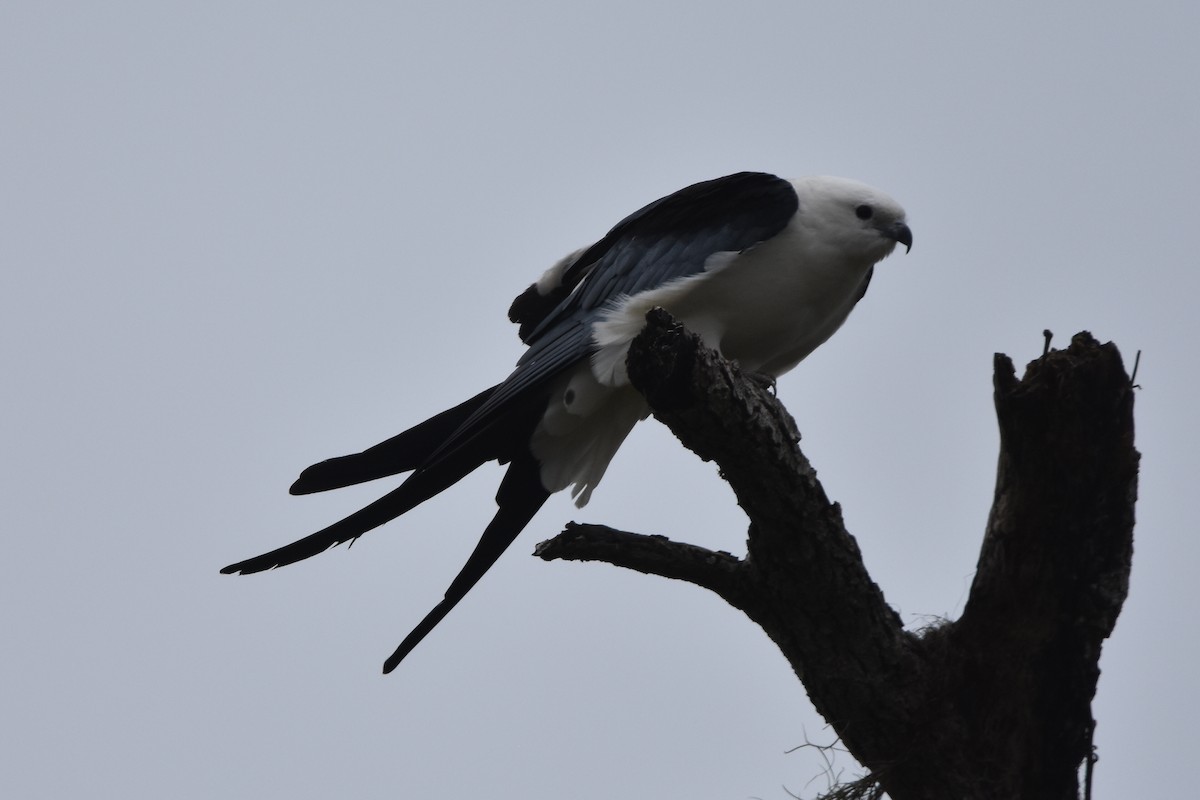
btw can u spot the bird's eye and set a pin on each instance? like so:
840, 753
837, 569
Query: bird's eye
864, 211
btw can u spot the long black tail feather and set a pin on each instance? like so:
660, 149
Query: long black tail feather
520, 496
401, 453
419, 487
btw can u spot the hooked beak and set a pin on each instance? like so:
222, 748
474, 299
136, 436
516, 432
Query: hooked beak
899, 232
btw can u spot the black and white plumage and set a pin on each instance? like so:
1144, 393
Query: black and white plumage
763, 269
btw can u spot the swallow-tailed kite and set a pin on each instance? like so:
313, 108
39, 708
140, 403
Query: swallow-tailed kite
763, 269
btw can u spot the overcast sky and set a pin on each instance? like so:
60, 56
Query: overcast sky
240, 238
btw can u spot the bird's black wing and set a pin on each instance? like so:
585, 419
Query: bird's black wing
670, 238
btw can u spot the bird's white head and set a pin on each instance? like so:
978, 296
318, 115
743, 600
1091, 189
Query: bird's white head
856, 220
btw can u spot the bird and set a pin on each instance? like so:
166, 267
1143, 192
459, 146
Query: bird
764, 269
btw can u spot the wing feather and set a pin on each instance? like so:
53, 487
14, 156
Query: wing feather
670, 238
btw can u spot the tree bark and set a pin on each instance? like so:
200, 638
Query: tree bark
996, 704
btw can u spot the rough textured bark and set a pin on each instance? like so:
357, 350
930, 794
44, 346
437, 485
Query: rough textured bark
996, 704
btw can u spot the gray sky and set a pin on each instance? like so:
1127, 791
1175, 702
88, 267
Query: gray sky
240, 238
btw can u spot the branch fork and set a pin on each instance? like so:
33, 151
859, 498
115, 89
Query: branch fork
994, 704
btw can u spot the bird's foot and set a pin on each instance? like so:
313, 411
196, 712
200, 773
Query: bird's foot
764, 381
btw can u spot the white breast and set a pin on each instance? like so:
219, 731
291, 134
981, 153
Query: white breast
767, 307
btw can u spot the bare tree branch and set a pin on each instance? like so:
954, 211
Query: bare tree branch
714, 570
996, 704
